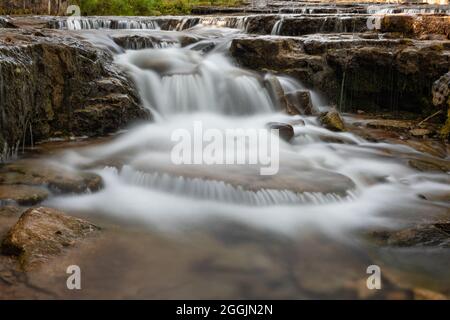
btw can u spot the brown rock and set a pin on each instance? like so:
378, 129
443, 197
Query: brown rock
420, 132
430, 164
35, 173
44, 232
302, 102
22, 195
285, 130
9, 211
391, 125
437, 234
425, 294
57, 85
332, 121
276, 92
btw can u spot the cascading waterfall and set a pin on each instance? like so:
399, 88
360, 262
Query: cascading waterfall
170, 81
213, 190
343, 183
78, 23
277, 26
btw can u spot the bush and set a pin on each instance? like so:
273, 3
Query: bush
133, 7
144, 7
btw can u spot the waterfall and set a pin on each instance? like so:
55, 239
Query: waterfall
326, 178
175, 80
277, 26
89, 23
212, 190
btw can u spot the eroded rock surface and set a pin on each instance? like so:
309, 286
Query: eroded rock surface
373, 74
53, 85
43, 232
41, 173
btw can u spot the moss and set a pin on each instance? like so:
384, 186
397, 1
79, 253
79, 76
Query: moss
445, 130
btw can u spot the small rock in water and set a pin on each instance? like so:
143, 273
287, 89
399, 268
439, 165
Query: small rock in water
332, 121
301, 103
43, 232
286, 131
276, 92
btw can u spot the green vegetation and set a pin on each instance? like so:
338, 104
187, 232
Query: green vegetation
144, 7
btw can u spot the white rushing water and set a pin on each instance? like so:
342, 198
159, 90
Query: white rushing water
348, 182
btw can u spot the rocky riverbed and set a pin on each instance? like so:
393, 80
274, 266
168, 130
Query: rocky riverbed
360, 93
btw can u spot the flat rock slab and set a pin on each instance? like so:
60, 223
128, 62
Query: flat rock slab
44, 232
248, 177
22, 195
41, 173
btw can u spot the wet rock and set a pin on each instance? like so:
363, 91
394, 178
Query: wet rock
297, 26
419, 132
332, 121
51, 82
390, 125
276, 92
38, 173
301, 101
366, 76
425, 294
437, 234
434, 148
9, 211
441, 90
5, 23
285, 130
22, 195
429, 164
44, 232
416, 26
374, 74
441, 98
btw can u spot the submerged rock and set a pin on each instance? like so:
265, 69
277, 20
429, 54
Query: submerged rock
22, 195
40, 173
332, 121
437, 234
44, 232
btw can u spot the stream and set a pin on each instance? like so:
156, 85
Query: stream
225, 231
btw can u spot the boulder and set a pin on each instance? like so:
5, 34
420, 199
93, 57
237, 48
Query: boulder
285, 130
332, 121
41, 233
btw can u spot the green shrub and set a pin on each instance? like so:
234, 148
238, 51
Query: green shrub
144, 7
